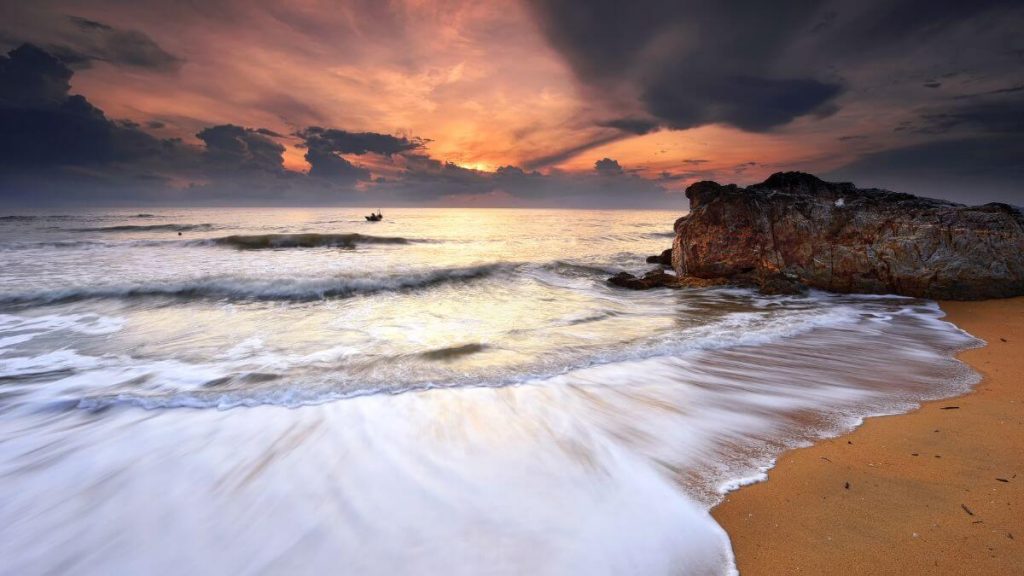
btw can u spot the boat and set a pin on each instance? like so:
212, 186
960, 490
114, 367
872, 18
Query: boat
375, 216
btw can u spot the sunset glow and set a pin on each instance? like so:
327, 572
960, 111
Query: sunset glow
485, 85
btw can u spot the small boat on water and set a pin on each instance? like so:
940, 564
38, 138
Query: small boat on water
375, 216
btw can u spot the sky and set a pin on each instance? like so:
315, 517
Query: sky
548, 103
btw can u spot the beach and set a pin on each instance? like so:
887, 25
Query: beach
937, 491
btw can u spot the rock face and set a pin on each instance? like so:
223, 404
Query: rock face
665, 258
794, 229
659, 279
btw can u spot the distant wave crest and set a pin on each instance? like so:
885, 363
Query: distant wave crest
312, 240
259, 289
150, 228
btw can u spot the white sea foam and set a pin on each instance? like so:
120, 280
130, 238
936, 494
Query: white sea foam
606, 470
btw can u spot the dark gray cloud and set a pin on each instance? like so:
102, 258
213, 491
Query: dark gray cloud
638, 126
243, 147
972, 170
86, 41
324, 147
972, 152
692, 63
998, 112
745, 63
30, 77
359, 143
330, 165
607, 166
935, 66
42, 125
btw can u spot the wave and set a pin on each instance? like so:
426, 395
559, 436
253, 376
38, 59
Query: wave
32, 218
85, 244
574, 269
150, 228
453, 352
311, 240
262, 289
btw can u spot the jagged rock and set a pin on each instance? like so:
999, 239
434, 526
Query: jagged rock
661, 279
665, 258
652, 279
794, 229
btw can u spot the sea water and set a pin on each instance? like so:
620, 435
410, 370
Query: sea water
284, 391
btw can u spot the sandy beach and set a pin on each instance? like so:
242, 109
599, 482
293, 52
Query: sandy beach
936, 491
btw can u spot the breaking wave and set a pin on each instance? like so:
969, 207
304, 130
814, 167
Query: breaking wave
150, 228
34, 217
312, 240
259, 289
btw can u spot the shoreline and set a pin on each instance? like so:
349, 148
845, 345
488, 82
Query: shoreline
939, 490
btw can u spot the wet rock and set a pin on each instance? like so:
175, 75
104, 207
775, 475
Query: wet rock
795, 230
661, 279
652, 279
665, 258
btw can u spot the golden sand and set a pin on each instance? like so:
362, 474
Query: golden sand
936, 491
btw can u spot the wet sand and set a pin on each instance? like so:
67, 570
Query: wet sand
936, 491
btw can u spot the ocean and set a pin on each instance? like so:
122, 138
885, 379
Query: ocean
448, 391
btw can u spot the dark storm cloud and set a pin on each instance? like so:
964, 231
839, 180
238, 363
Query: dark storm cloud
30, 77
746, 102
970, 170
325, 145
359, 143
54, 142
986, 115
329, 165
973, 152
693, 63
638, 126
936, 67
750, 64
42, 125
243, 147
607, 166
88, 40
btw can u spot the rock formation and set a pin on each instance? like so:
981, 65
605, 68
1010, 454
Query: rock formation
665, 258
795, 230
660, 279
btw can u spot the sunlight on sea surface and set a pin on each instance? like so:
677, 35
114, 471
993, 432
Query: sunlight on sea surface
446, 391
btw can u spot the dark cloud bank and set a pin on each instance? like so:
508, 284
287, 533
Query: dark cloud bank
758, 66
56, 147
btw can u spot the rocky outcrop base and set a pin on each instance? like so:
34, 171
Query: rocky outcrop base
795, 231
